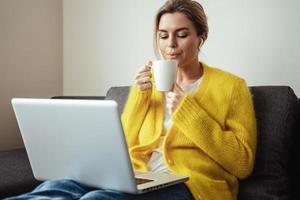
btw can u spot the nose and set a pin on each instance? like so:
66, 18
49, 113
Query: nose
172, 41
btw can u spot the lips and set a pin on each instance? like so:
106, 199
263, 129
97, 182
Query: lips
173, 55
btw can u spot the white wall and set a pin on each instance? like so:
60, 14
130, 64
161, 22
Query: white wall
106, 41
258, 40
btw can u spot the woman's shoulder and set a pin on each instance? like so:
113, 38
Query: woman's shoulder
220, 74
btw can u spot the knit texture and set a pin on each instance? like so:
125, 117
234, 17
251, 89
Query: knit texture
212, 139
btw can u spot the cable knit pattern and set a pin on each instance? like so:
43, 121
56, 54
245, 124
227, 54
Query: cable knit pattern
212, 139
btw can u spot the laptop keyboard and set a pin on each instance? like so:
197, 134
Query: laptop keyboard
141, 180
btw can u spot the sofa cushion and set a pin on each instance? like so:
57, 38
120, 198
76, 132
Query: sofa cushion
295, 160
276, 110
119, 94
15, 172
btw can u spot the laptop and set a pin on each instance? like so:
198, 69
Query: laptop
82, 140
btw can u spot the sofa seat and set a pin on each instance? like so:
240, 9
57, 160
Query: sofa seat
15, 172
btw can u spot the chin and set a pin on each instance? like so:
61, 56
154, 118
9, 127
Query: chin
176, 59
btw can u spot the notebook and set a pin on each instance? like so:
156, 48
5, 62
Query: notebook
82, 140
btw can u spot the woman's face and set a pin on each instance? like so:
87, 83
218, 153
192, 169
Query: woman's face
177, 38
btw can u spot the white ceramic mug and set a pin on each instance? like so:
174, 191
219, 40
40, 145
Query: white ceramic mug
164, 74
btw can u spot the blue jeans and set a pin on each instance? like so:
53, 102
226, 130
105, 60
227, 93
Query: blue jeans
68, 189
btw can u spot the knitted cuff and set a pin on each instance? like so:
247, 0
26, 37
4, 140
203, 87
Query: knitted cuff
188, 113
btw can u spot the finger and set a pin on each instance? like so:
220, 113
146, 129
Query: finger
145, 86
143, 80
149, 63
178, 89
144, 68
143, 74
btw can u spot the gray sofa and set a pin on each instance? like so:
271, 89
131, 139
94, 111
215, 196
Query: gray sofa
277, 166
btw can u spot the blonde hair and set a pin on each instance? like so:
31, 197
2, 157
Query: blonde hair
192, 9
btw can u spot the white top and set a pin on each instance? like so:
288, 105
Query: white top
156, 162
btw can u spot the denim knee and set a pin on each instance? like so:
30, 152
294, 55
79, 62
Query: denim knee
106, 195
64, 186
56, 184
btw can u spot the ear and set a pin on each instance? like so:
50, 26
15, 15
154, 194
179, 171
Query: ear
201, 41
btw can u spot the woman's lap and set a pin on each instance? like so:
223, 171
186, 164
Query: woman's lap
68, 189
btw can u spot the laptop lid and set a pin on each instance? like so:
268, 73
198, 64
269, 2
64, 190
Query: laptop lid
81, 140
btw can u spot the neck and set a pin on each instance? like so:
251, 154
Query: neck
188, 74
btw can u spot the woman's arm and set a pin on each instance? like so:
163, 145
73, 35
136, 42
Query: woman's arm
232, 147
134, 113
137, 104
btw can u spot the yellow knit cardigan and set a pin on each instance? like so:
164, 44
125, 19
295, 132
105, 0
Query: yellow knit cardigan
212, 139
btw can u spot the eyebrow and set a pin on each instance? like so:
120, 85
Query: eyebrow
180, 29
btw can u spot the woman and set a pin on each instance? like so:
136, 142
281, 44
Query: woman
205, 128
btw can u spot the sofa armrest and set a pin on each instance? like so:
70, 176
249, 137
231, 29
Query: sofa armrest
294, 160
276, 114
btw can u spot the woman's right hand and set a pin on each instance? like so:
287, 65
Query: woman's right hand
143, 77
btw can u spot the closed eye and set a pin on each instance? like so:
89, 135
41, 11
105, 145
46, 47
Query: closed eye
163, 36
182, 34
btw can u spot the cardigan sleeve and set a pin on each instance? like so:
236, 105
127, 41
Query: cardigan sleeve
134, 113
232, 147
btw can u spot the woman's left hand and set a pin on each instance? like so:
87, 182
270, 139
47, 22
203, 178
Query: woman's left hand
174, 98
